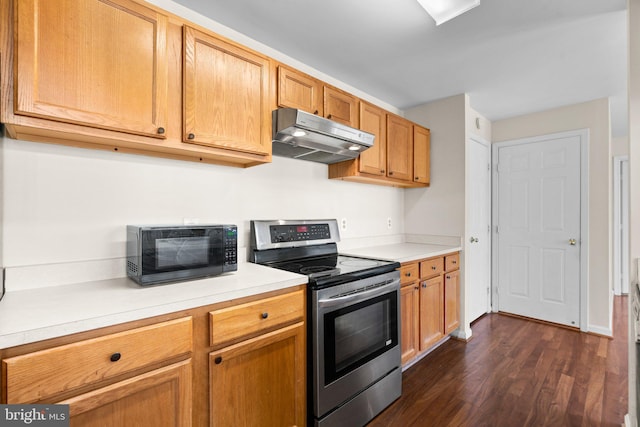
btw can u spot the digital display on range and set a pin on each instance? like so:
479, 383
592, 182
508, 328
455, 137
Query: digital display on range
299, 232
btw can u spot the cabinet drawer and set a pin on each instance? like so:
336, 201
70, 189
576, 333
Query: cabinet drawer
232, 323
409, 273
431, 267
36, 376
452, 262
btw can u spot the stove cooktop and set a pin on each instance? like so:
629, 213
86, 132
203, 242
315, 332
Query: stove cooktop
332, 270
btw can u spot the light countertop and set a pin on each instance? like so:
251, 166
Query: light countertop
38, 314
402, 252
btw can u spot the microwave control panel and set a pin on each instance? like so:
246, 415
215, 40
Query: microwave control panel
230, 245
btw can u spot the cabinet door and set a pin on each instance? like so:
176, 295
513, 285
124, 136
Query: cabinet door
96, 63
421, 154
431, 312
226, 95
341, 107
160, 398
373, 160
261, 381
409, 312
399, 148
452, 301
298, 90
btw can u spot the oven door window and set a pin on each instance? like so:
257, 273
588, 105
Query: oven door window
356, 334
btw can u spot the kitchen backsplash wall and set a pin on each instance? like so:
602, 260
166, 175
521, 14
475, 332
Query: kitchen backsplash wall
66, 206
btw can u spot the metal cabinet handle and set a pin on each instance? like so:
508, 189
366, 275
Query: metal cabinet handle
115, 357
191, 136
218, 360
473, 240
315, 112
160, 130
407, 274
329, 116
433, 267
572, 242
265, 315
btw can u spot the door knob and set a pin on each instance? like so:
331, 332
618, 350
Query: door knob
473, 240
572, 242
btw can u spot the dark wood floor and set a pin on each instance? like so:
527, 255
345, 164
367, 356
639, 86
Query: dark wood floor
516, 372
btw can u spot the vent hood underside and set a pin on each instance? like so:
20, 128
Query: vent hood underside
300, 135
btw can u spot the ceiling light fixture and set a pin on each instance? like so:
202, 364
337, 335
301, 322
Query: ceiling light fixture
443, 10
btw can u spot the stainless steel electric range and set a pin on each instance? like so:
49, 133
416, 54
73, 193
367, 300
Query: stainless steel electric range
354, 319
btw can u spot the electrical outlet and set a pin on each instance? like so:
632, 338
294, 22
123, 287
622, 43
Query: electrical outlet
389, 223
343, 224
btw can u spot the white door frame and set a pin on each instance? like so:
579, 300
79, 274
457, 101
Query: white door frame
619, 266
583, 134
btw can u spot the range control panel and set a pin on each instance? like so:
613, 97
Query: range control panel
299, 232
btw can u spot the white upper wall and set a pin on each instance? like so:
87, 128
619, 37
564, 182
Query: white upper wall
438, 210
620, 146
64, 204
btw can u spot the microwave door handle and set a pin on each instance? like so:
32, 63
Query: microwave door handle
370, 293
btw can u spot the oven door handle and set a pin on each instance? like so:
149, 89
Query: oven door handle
392, 285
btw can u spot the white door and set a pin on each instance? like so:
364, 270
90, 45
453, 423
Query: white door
478, 239
538, 228
621, 225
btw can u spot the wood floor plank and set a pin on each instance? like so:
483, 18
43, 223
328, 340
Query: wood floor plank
516, 372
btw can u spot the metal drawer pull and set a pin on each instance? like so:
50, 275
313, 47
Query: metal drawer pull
572, 242
265, 315
218, 360
433, 267
115, 357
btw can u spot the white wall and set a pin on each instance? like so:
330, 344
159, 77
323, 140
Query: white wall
438, 210
593, 115
437, 213
620, 146
65, 204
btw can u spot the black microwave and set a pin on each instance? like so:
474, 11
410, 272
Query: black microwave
158, 254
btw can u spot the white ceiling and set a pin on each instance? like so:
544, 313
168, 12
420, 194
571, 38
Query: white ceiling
511, 56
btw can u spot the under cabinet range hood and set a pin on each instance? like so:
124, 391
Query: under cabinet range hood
300, 135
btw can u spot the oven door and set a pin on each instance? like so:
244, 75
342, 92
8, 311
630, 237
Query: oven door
355, 338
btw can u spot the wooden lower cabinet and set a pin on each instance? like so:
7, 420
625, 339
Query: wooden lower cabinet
160, 398
234, 363
260, 382
452, 301
430, 307
431, 312
409, 321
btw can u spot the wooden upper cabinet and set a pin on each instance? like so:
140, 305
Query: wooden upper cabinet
374, 120
298, 90
399, 148
96, 63
421, 154
226, 95
341, 107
